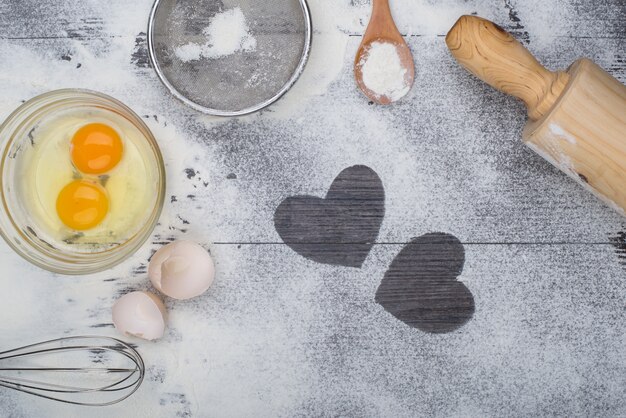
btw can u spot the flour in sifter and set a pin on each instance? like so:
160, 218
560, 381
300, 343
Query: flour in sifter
226, 34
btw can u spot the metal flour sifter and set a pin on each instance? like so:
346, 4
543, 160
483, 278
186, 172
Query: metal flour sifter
246, 79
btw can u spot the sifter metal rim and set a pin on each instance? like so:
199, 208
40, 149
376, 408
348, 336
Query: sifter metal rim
246, 111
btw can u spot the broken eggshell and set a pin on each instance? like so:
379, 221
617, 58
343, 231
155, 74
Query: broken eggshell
181, 270
140, 314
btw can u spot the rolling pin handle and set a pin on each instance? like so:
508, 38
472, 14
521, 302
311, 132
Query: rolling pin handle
496, 57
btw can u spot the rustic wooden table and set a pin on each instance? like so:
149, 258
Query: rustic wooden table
535, 321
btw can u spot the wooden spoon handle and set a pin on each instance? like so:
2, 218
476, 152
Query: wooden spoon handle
382, 25
494, 56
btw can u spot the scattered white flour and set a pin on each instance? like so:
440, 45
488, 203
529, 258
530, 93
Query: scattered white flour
383, 72
327, 59
251, 346
226, 34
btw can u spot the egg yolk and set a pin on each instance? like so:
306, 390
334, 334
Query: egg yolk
82, 205
96, 148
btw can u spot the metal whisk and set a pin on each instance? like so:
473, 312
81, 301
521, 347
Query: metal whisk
82, 370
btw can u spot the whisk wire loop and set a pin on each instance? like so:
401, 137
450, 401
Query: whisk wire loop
113, 370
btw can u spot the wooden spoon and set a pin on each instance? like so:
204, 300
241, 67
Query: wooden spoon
382, 28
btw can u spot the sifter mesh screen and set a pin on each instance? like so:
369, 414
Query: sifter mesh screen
238, 83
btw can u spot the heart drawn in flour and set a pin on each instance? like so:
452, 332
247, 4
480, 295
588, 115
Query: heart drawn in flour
339, 229
421, 288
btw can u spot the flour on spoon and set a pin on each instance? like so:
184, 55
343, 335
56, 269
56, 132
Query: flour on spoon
383, 72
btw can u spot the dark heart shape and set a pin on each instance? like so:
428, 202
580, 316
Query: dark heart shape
421, 288
339, 229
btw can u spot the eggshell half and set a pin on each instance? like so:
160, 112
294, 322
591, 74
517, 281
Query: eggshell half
182, 270
140, 314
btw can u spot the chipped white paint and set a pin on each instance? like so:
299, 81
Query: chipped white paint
278, 335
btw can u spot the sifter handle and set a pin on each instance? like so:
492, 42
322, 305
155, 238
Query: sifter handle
496, 57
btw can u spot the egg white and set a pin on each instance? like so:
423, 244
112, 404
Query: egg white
46, 168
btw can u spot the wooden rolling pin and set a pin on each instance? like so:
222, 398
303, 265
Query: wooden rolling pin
577, 118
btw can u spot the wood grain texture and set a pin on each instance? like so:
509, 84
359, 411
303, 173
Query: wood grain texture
421, 288
585, 133
281, 335
342, 227
496, 57
577, 118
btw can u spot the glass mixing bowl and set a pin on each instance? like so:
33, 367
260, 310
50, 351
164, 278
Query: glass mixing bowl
18, 224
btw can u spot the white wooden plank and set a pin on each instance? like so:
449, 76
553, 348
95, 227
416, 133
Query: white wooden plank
280, 335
